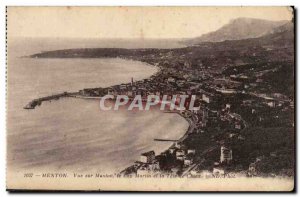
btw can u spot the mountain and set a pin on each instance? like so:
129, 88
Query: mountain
289, 26
282, 35
237, 29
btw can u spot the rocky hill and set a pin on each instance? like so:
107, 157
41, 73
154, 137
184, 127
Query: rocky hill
237, 29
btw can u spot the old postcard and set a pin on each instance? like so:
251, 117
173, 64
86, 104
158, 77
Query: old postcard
150, 98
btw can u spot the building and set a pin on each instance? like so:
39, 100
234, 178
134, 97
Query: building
180, 157
154, 166
191, 151
148, 169
175, 170
226, 155
173, 150
188, 160
111, 91
226, 91
271, 103
194, 172
171, 79
252, 170
227, 106
147, 157
231, 135
142, 171
178, 144
180, 153
219, 171
237, 125
207, 98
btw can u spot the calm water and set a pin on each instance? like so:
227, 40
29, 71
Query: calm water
73, 134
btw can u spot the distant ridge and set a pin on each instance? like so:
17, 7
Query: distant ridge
237, 29
289, 26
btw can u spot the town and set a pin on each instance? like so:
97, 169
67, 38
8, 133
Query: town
245, 90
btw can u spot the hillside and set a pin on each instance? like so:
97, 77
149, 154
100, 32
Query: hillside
237, 29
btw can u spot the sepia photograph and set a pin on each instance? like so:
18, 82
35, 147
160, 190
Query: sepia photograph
163, 99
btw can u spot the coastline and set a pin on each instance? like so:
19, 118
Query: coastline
77, 95
38, 101
184, 70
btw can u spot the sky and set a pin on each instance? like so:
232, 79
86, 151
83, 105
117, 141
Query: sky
129, 22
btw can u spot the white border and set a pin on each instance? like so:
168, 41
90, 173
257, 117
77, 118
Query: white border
152, 2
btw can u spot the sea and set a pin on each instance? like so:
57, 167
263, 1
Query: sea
72, 134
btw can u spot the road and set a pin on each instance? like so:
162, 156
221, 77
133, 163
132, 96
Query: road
193, 166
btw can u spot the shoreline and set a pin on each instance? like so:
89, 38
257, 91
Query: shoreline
190, 121
38, 101
78, 96
184, 71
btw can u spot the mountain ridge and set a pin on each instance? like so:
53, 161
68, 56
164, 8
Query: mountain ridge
238, 29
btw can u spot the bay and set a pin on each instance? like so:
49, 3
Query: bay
74, 134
